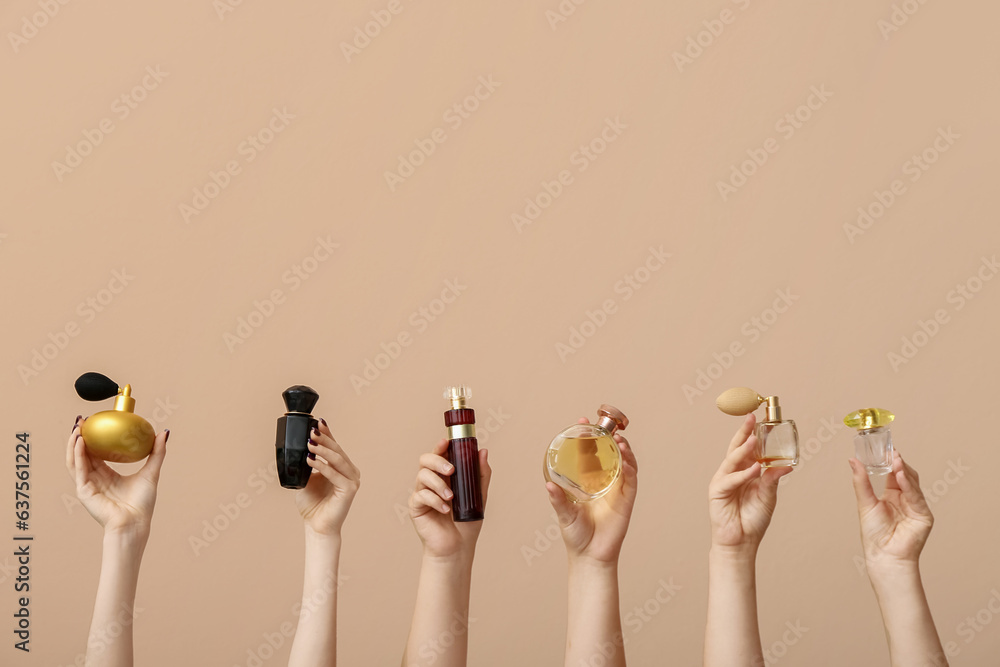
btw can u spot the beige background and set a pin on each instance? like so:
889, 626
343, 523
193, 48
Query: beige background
655, 185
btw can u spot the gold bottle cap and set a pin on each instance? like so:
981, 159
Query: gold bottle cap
611, 418
124, 401
868, 418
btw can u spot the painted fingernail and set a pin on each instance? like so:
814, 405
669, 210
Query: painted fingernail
167, 436
76, 423
312, 456
324, 421
311, 441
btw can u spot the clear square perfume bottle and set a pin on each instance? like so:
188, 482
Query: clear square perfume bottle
777, 438
873, 441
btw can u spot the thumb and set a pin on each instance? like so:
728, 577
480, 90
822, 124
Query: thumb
862, 486
769, 484
565, 511
151, 469
485, 473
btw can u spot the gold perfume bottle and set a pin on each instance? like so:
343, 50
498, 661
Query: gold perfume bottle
584, 459
777, 438
118, 435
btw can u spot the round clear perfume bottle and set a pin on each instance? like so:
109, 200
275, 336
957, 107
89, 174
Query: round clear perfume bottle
584, 460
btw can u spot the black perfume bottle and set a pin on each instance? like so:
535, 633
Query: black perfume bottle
291, 442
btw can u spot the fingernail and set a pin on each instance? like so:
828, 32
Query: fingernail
76, 423
316, 432
448, 494
312, 456
311, 441
167, 436
324, 421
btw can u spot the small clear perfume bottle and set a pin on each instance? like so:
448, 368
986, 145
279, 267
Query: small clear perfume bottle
873, 441
584, 459
777, 438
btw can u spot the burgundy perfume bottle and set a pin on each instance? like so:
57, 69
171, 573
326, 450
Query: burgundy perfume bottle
291, 441
463, 453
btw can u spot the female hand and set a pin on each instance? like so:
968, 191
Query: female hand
430, 505
117, 502
895, 528
327, 496
596, 529
741, 499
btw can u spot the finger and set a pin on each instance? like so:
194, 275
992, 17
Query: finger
437, 463
337, 478
428, 479
427, 499
485, 473
334, 458
323, 436
909, 484
910, 471
739, 458
768, 489
862, 487
151, 468
630, 468
565, 511
742, 433
726, 484
71, 446
582, 420
81, 462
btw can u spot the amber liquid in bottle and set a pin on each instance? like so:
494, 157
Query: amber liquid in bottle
463, 453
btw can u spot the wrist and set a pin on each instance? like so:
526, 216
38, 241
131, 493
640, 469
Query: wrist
130, 536
741, 554
460, 560
322, 538
581, 564
891, 571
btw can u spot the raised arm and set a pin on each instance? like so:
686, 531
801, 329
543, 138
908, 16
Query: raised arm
123, 505
323, 503
439, 632
741, 501
593, 533
893, 533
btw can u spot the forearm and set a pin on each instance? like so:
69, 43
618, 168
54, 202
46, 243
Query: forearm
109, 643
909, 627
439, 633
732, 635
315, 643
594, 624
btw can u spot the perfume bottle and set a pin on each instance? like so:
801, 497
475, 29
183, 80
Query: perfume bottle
777, 438
873, 441
291, 441
463, 453
584, 459
118, 435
